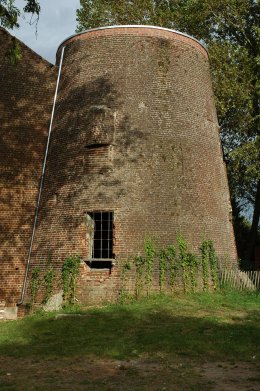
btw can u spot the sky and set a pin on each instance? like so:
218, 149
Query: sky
57, 22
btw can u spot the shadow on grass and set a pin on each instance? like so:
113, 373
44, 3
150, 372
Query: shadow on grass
125, 332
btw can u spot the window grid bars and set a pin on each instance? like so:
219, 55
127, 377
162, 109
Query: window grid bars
102, 248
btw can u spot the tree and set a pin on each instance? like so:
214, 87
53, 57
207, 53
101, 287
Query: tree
230, 29
233, 42
9, 15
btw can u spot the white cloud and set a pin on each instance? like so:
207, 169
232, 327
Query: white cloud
57, 22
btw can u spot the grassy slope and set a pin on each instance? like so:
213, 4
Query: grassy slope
198, 326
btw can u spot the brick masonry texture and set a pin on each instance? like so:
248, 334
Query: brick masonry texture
135, 132
146, 97
26, 94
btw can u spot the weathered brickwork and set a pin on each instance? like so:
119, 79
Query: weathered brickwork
26, 94
135, 132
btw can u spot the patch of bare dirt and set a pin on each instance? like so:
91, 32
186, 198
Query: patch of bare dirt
80, 373
232, 377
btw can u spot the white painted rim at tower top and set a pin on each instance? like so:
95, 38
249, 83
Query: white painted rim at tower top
131, 26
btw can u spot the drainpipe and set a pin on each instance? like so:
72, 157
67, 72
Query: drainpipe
41, 184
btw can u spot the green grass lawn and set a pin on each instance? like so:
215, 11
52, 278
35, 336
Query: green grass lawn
192, 329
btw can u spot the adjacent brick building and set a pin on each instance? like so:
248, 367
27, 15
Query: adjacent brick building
26, 95
134, 143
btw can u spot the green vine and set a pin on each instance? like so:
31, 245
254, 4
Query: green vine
149, 263
34, 284
123, 294
184, 261
139, 263
70, 272
204, 249
162, 267
213, 261
172, 262
48, 280
193, 266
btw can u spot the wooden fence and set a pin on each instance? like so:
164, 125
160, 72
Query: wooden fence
241, 280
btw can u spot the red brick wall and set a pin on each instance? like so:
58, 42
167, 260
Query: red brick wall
148, 95
26, 94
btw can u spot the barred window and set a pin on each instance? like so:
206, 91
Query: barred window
102, 243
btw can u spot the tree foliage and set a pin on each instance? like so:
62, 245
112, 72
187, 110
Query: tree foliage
9, 13
9, 18
231, 31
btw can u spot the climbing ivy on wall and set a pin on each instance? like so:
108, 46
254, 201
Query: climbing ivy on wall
193, 269
34, 285
210, 262
205, 264
48, 280
69, 277
162, 268
183, 261
172, 264
139, 263
70, 273
168, 265
149, 263
123, 293
213, 261
177, 267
